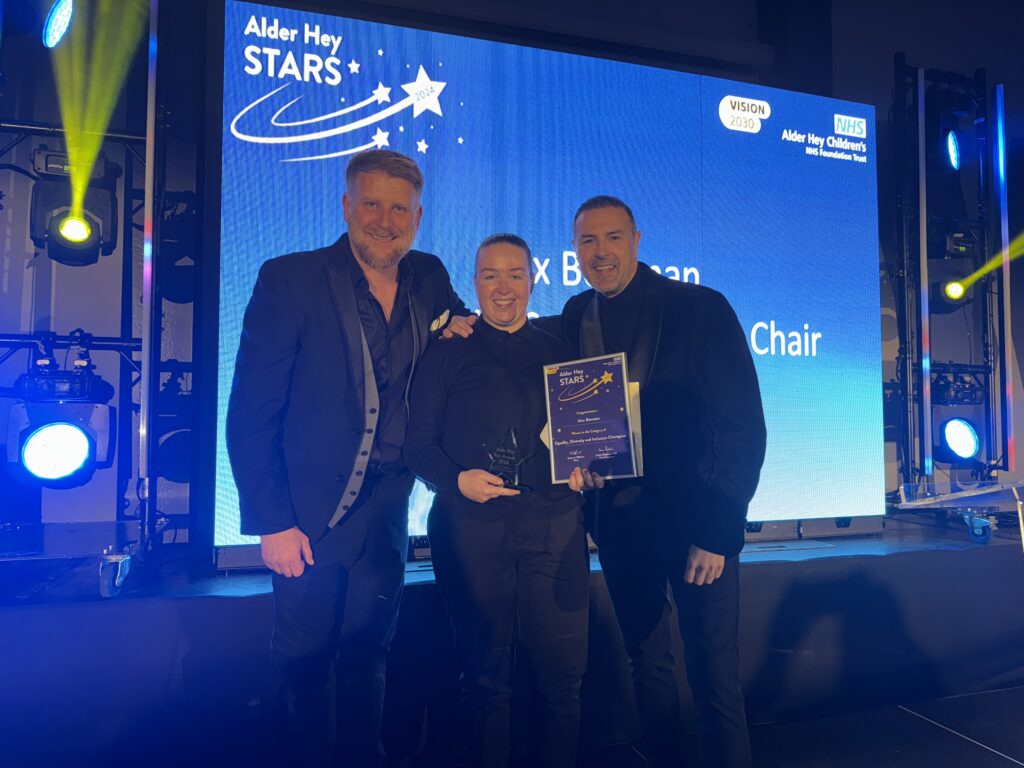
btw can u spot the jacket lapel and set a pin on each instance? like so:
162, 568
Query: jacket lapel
421, 313
343, 294
644, 347
648, 329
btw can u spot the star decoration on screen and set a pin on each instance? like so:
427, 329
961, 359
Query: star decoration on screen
421, 146
425, 93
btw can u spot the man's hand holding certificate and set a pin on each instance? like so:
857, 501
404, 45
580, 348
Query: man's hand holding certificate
591, 423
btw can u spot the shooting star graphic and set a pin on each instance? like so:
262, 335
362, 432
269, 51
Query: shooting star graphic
381, 94
588, 391
422, 96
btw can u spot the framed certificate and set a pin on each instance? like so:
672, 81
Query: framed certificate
590, 418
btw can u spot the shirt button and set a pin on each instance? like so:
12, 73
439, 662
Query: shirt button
369, 431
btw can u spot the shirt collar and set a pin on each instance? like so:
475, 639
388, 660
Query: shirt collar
526, 332
632, 294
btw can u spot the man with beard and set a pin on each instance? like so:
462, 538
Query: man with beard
315, 426
682, 523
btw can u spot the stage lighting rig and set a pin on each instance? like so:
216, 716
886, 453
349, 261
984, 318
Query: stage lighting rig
960, 442
953, 386
58, 20
953, 150
954, 290
61, 429
949, 291
75, 241
951, 278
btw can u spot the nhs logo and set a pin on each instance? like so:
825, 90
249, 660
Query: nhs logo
851, 126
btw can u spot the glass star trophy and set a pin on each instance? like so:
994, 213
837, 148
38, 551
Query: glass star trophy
506, 460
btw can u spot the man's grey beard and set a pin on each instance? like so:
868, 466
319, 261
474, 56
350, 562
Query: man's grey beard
367, 258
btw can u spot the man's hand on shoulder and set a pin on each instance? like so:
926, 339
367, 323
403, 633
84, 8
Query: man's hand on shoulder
287, 552
703, 567
459, 325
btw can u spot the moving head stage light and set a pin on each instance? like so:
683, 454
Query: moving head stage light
62, 430
75, 241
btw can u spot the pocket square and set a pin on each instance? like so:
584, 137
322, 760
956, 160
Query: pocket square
440, 322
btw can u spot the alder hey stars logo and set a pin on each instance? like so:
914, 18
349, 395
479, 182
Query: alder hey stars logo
374, 121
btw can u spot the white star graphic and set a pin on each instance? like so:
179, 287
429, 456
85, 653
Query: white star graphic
380, 138
381, 93
380, 52
353, 67
460, 140
424, 93
401, 129
421, 146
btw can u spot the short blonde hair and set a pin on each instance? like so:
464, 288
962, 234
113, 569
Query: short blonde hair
394, 164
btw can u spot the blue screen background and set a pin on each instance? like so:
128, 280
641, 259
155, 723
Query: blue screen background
528, 134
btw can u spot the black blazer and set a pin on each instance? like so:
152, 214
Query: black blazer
295, 415
700, 404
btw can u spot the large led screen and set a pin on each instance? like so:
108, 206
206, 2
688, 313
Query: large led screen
765, 195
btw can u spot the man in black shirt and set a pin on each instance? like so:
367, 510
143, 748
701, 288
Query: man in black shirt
682, 523
511, 563
315, 426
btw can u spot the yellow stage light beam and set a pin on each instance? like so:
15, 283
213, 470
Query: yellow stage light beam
1013, 252
90, 66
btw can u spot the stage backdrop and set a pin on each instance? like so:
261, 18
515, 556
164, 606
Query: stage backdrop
765, 195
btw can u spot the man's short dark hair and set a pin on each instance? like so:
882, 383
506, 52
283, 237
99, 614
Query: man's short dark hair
604, 201
394, 164
508, 239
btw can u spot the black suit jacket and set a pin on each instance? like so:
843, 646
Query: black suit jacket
701, 416
295, 415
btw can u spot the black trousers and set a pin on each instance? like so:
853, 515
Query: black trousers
639, 567
517, 588
332, 628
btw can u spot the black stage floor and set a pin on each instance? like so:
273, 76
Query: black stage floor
904, 649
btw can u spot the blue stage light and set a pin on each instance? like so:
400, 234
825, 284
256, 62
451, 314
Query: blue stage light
953, 150
56, 451
961, 438
57, 22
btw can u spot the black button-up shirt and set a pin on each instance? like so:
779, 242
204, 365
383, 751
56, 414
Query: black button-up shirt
391, 348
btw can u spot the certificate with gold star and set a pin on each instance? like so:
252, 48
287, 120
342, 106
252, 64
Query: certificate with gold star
589, 418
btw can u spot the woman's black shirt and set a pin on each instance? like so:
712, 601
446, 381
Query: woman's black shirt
467, 394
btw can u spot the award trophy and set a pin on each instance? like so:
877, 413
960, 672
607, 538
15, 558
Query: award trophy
506, 460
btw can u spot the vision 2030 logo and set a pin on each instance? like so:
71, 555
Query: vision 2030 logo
844, 125
741, 114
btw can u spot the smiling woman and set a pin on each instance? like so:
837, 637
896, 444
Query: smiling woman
507, 542
504, 281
